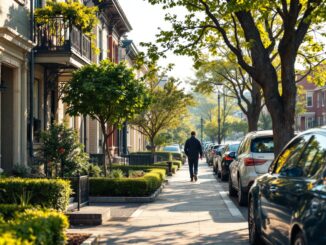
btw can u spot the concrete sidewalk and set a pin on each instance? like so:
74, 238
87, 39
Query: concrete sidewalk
185, 213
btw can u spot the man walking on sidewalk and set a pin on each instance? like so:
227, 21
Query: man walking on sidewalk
193, 150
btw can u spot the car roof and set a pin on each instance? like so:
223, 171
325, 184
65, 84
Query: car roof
321, 130
261, 133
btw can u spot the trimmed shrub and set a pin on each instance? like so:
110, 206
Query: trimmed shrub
47, 193
35, 227
143, 186
8, 211
135, 173
145, 168
165, 165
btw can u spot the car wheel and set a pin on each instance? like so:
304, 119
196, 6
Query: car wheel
224, 177
242, 195
232, 191
253, 226
299, 239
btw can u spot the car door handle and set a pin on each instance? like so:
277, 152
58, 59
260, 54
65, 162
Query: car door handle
273, 189
298, 188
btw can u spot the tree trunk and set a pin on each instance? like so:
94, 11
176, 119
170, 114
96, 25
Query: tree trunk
255, 107
153, 147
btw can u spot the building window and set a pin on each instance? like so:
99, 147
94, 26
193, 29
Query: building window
38, 4
318, 100
309, 98
322, 98
309, 122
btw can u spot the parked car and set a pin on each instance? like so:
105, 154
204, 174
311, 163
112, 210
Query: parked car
172, 148
217, 157
288, 204
207, 149
254, 156
223, 163
211, 153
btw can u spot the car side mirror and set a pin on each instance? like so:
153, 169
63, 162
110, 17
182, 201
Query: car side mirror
232, 154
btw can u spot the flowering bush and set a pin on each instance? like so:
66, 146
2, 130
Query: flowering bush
64, 154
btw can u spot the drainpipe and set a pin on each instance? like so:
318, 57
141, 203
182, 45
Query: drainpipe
31, 83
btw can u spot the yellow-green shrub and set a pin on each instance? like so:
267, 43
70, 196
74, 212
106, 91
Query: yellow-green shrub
143, 186
35, 227
47, 193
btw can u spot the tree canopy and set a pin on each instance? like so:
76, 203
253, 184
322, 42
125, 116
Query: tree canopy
108, 93
168, 105
276, 34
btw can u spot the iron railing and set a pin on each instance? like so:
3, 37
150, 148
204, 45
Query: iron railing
57, 34
80, 187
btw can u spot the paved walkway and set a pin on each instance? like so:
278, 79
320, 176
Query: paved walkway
185, 213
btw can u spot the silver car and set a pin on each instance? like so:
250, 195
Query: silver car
254, 156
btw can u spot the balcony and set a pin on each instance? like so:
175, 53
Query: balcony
58, 41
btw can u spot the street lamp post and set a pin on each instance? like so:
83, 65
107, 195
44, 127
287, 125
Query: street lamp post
201, 128
219, 116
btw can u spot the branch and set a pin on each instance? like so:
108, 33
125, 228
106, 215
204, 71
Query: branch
218, 27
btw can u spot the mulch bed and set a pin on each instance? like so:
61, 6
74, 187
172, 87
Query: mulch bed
76, 238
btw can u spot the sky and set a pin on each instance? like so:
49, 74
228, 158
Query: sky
145, 19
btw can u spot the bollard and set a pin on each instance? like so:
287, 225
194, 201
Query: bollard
169, 168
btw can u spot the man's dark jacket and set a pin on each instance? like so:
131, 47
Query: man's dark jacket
193, 148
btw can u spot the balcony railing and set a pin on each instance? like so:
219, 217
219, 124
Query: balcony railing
57, 35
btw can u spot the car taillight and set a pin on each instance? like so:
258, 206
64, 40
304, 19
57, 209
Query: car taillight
227, 158
253, 161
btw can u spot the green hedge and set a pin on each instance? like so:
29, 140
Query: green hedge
145, 168
143, 186
165, 165
48, 193
35, 227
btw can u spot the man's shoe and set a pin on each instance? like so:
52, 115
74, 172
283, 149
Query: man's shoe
191, 179
195, 177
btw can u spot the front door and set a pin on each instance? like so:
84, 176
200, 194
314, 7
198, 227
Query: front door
6, 118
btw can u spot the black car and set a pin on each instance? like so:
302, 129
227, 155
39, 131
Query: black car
227, 157
288, 204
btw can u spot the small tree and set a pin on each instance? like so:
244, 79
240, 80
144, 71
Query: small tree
108, 93
168, 105
64, 154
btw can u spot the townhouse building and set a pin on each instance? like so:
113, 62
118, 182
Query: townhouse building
314, 114
36, 62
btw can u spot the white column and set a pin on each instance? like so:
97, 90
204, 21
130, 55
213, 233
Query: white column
17, 116
24, 114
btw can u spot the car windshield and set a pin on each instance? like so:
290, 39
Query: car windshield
262, 145
171, 148
234, 147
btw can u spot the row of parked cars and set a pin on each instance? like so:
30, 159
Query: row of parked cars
286, 194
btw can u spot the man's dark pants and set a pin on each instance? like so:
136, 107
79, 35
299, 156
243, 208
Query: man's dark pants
193, 166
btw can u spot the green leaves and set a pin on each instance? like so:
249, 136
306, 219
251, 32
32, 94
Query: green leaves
108, 92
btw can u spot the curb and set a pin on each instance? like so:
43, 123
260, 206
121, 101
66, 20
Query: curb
92, 240
151, 198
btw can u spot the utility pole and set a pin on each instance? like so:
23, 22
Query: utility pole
219, 116
201, 129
